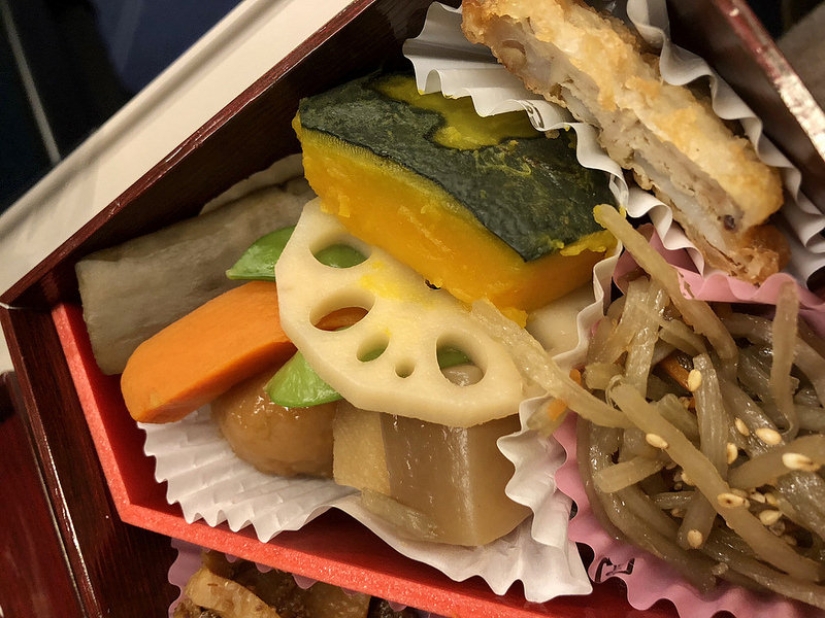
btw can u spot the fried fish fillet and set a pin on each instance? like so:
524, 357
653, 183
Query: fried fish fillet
667, 135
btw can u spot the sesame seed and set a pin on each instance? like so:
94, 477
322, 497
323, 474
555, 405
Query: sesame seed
769, 517
730, 500
694, 380
719, 569
798, 461
769, 436
741, 427
755, 496
695, 538
732, 452
656, 441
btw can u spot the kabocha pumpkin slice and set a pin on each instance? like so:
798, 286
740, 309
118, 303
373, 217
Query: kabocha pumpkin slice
205, 353
482, 207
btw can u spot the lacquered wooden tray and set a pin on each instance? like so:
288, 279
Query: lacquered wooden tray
118, 564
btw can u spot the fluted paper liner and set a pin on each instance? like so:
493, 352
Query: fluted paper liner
209, 482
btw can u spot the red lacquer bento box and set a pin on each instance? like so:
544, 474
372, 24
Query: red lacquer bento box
111, 514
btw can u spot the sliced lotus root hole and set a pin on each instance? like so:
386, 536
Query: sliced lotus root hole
372, 347
458, 366
340, 310
341, 318
405, 369
342, 254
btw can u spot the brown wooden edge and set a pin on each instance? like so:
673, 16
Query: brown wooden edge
33, 560
8, 381
113, 566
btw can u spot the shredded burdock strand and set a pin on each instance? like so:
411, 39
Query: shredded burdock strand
700, 428
784, 335
695, 313
535, 365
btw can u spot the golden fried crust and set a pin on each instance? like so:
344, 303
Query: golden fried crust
668, 136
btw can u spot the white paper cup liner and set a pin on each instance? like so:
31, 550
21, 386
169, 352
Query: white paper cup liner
210, 483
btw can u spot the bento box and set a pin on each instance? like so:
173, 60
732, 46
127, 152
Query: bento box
110, 510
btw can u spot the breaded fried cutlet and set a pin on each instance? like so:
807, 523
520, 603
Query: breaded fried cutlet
667, 135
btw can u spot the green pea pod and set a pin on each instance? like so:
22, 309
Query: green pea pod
258, 261
296, 385
340, 256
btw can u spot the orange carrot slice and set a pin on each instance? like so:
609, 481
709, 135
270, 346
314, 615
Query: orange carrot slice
206, 352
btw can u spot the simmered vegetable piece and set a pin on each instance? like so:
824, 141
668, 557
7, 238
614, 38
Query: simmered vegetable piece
205, 353
273, 438
432, 482
483, 207
405, 320
133, 290
297, 384
359, 459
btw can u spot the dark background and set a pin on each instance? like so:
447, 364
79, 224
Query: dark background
86, 58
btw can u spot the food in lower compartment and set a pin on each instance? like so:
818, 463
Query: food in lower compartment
224, 588
667, 135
